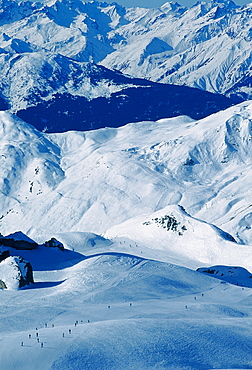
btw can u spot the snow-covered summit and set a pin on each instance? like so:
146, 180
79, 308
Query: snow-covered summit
209, 46
91, 181
181, 236
49, 47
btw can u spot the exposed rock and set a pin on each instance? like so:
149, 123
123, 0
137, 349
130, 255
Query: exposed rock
54, 243
2, 285
18, 241
4, 253
15, 272
169, 223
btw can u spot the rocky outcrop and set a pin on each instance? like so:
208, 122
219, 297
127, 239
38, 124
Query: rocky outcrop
2, 285
54, 243
4, 253
18, 241
15, 273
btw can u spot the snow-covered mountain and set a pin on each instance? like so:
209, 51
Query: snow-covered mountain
28, 78
138, 209
48, 48
56, 93
94, 180
110, 225
207, 46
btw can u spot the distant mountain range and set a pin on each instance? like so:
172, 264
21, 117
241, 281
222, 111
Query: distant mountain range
134, 172
49, 53
49, 78
207, 46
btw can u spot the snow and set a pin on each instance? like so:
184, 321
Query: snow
134, 208
92, 181
51, 47
234, 275
180, 235
210, 46
11, 271
123, 312
155, 216
33, 77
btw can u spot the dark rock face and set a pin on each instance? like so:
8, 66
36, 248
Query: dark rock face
18, 244
4, 254
2, 285
27, 273
67, 112
54, 243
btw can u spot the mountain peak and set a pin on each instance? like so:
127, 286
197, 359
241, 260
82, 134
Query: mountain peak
229, 4
172, 6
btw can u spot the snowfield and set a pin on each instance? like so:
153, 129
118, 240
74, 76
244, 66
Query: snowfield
45, 47
92, 181
207, 46
125, 248
138, 209
118, 311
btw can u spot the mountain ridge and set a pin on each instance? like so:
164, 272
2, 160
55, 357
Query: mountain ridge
51, 47
114, 221
202, 165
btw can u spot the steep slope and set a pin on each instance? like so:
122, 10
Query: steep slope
56, 93
207, 46
143, 101
91, 181
50, 48
139, 207
31, 78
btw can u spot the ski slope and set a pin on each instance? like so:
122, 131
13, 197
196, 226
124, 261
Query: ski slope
118, 311
138, 209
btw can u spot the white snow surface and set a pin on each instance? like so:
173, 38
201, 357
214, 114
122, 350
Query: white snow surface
50, 47
91, 181
138, 208
207, 46
11, 271
185, 237
120, 311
